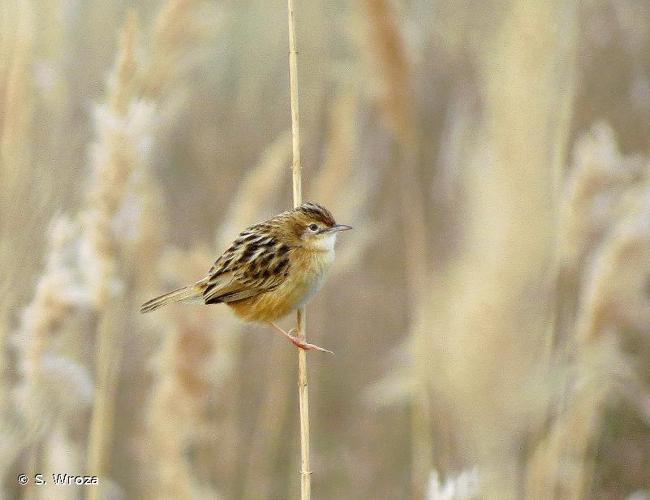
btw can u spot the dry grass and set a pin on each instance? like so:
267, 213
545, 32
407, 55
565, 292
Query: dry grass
123, 125
55, 388
608, 234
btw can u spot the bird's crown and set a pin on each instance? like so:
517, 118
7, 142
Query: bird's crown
316, 212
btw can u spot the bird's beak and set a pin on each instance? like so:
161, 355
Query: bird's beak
338, 227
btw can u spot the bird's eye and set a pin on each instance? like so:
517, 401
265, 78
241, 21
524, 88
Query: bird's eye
313, 228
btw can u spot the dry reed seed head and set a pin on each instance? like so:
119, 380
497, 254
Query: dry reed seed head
99, 269
616, 290
135, 128
599, 176
135, 134
136, 211
58, 292
40, 320
123, 148
141, 222
52, 387
124, 136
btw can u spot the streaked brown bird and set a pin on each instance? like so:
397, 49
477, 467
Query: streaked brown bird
271, 269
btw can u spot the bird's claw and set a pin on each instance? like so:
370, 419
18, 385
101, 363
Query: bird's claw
305, 346
297, 341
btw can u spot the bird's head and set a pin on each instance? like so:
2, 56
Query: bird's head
315, 227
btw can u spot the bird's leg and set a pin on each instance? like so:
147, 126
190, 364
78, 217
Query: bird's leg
296, 341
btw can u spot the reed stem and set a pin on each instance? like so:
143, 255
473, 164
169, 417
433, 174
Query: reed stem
303, 392
295, 110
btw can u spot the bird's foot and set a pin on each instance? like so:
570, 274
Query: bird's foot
298, 342
305, 346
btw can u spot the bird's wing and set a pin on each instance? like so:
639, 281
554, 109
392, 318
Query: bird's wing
254, 264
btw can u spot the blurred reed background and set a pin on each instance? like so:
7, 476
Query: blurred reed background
490, 313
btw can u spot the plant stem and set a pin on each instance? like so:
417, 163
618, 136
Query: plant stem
295, 111
303, 392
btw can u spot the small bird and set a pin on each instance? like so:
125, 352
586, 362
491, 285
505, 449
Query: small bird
271, 269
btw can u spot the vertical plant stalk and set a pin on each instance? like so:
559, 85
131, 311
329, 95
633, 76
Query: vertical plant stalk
303, 392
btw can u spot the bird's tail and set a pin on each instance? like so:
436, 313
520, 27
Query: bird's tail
189, 293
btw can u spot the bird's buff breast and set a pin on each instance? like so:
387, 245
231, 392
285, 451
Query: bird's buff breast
306, 276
